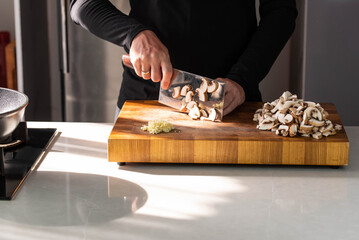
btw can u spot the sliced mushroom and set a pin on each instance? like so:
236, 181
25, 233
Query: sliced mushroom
305, 128
203, 113
326, 134
333, 132
194, 113
265, 125
185, 89
212, 87
189, 96
176, 92
213, 115
288, 119
281, 117
338, 127
293, 129
315, 122
327, 129
191, 104
285, 96
204, 85
304, 117
202, 96
267, 106
317, 135
293, 97
310, 104
313, 112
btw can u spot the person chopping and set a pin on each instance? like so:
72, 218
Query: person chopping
218, 39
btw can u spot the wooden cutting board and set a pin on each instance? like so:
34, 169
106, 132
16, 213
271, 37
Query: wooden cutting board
233, 141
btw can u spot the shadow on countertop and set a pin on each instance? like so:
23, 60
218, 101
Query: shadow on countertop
67, 199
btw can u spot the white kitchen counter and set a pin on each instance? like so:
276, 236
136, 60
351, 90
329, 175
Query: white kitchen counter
76, 194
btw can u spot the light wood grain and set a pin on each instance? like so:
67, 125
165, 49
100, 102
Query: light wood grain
233, 141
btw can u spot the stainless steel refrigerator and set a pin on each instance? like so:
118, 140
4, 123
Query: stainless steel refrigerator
92, 71
69, 74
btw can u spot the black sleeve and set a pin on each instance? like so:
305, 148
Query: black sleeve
277, 23
104, 20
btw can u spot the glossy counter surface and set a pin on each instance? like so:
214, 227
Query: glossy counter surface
76, 194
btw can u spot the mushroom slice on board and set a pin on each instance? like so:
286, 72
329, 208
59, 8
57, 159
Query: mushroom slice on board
212, 87
266, 124
185, 89
293, 129
203, 113
305, 128
191, 104
189, 96
183, 107
313, 112
194, 113
176, 92
213, 115
317, 135
338, 127
202, 96
288, 119
316, 123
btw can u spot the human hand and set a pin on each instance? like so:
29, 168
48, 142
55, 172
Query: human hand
234, 95
150, 58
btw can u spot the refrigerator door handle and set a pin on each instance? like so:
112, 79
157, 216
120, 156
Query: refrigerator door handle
64, 36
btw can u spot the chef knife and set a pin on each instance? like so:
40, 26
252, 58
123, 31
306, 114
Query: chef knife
208, 93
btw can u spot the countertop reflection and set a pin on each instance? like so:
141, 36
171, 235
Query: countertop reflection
66, 199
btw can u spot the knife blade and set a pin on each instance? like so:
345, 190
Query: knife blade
207, 92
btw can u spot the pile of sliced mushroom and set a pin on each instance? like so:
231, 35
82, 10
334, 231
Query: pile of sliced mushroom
290, 116
197, 110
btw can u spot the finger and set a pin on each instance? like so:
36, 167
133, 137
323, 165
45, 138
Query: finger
229, 103
167, 72
146, 71
156, 74
232, 105
137, 66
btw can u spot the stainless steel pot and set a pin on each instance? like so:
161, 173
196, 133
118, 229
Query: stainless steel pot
12, 108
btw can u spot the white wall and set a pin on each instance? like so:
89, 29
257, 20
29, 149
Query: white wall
7, 22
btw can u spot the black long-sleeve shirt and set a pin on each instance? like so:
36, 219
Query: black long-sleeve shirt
213, 38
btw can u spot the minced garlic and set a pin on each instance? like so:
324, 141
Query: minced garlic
157, 126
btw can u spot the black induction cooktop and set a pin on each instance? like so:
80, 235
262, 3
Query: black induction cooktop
20, 160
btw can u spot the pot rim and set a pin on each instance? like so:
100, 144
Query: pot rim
4, 114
